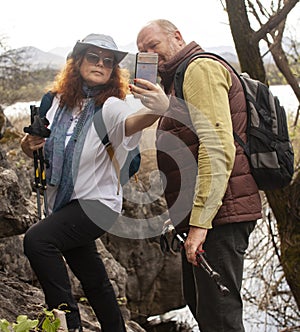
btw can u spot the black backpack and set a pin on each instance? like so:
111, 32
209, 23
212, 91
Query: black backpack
133, 160
268, 147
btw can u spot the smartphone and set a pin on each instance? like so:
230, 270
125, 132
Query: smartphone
146, 66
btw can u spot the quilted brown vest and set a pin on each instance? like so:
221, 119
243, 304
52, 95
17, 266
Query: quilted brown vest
177, 153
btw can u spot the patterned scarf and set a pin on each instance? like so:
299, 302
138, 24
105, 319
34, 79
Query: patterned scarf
64, 161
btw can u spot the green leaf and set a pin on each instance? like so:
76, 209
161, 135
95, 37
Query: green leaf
4, 324
24, 324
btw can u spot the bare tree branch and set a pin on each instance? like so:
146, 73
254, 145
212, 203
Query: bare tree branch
274, 20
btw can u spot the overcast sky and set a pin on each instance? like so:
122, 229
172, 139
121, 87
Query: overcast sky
60, 23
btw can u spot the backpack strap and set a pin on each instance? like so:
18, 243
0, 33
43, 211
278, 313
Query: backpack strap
179, 78
179, 75
46, 103
102, 132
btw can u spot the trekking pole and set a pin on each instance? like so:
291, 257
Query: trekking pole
43, 179
37, 183
202, 262
38, 128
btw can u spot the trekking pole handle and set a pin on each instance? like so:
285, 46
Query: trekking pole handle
202, 262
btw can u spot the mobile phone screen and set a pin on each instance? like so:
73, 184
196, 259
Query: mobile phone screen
146, 66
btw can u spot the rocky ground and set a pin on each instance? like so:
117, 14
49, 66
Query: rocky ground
146, 281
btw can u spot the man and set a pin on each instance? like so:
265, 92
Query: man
217, 202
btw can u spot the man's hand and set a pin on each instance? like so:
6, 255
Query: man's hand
194, 242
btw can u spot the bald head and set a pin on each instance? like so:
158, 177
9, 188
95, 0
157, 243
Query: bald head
162, 37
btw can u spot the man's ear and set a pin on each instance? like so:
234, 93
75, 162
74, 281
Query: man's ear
179, 38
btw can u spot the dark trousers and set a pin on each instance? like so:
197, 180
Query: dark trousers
69, 235
225, 247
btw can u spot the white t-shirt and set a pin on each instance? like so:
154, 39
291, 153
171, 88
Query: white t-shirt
97, 178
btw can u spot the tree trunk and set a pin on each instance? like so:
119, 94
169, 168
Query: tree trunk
246, 45
284, 203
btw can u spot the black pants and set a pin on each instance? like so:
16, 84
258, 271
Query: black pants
69, 235
225, 247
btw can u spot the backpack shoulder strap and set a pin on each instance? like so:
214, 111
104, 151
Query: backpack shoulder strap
46, 103
100, 127
102, 133
219, 57
179, 75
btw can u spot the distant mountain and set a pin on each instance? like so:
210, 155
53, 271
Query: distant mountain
56, 57
227, 52
220, 49
38, 59
61, 51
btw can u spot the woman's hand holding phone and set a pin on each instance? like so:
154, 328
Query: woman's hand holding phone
154, 99
151, 95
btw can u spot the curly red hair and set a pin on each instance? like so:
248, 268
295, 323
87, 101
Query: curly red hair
68, 84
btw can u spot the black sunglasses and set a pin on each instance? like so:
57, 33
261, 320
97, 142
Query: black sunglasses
95, 58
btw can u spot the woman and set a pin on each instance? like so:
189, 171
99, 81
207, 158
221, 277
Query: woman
82, 182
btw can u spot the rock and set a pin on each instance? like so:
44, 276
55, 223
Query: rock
154, 280
19, 298
20, 292
17, 213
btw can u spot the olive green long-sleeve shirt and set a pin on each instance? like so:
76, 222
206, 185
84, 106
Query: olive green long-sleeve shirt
205, 89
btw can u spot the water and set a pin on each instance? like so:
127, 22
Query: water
283, 92
19, 110
287, 97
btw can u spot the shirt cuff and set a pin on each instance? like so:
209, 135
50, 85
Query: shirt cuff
203, 217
